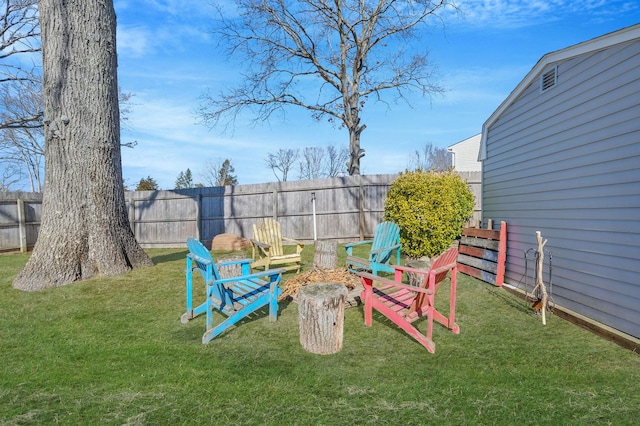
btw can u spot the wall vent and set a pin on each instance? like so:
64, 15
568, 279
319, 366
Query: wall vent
549, 79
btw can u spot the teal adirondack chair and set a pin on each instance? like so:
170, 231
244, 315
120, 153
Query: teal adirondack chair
386, 241
235, 297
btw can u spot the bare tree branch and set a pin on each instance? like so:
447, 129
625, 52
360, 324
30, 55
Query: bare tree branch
327, 56
430, 158
282, 161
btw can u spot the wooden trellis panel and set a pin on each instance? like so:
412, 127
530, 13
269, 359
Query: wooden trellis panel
483, 252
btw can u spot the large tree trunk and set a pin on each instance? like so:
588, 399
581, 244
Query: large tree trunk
84, 230
355, 152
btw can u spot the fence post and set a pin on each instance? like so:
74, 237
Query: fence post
132, 217
22, 226
199, 216
275, 204
361, 209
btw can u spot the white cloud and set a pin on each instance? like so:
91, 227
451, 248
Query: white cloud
133, 41
523, 13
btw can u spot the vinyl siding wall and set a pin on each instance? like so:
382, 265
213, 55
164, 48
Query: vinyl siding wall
466, 155
566, 162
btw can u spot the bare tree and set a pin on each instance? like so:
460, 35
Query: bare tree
335, 160
312, 165
282, 161
23, 145
218, 173
209, 174
21, 99
9, 175
19, 79
351, 50
19, 38
430, 158
318, 162
22, 148
84, 229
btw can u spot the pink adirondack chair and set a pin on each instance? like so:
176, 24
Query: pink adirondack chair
403, 304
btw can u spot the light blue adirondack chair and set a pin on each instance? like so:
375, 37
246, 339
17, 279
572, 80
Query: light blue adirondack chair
235, 297
385, 241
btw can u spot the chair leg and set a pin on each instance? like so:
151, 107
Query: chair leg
424, 340
273, 304
188, 315
367, 297
212, 332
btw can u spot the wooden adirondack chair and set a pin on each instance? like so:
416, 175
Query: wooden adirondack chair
268, 249
403, 304
235, 297
386, 240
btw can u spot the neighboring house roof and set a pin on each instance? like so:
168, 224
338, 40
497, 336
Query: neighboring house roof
465, 154
599, 43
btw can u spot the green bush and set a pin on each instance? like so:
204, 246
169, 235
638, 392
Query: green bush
430, 208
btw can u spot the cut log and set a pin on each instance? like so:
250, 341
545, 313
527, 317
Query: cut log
417, 280
321, 317
230, 271
326, 255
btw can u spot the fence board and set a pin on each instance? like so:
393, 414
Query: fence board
347, 209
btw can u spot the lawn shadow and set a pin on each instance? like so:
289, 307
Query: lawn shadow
186, 333
510, 300
169, 257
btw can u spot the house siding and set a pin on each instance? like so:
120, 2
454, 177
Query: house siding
566, 162
465, 155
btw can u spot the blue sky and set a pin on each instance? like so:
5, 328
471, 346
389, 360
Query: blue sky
167, 59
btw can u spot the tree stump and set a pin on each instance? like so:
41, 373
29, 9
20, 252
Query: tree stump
321, 317
417, 280
230, 270
326, 255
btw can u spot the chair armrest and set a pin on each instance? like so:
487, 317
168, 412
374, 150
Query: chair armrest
300, 245
349, 246
366, 277
267, 273
234, 262
199, 259
423, 271
386, 249
259, 243
358, 243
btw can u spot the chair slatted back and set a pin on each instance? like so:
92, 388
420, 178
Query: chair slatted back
268, 231
203, 260
387, 234
443, 263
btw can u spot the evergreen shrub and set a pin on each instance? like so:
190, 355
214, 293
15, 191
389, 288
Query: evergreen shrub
430, 208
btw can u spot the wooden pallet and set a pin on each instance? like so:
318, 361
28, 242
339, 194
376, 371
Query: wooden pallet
483, 252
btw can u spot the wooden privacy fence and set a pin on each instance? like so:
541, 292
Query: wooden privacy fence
20, 214
346, 209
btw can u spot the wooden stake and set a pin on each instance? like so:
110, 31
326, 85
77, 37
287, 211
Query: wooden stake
539, 282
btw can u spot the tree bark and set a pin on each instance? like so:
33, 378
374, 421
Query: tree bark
321, 317
326, 255
84, 229
355, 152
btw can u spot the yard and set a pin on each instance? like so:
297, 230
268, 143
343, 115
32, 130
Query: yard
113, 351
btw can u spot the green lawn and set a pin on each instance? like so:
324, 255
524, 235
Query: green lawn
113, 351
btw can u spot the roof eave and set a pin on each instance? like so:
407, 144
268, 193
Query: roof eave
621, 36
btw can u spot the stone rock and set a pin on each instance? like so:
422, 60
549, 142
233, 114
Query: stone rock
229, 242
